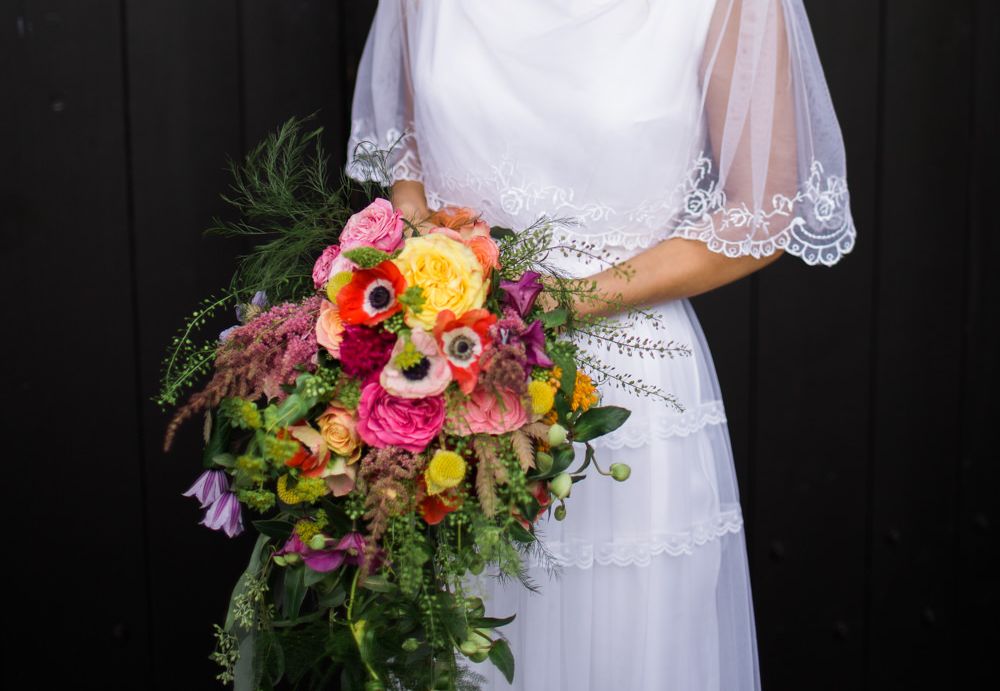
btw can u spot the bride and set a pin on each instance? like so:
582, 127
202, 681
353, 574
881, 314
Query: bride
693, 140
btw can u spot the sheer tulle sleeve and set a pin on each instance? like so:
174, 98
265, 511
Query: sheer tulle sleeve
382, 108
770, 171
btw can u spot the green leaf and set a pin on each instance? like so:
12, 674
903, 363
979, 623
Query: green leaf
518, 533
217, 441
499, 232
378, 584
295, 592
599, 421
226, 460
503, 659
491, 622
279, 530
334, 598
562, 458
313, 577
367, 257
252, 568
554, 318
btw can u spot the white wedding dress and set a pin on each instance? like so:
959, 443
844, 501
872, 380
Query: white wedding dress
643, 120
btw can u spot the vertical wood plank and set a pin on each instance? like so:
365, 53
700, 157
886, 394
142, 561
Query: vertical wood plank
76, 561
184, 88
978, 599
293, 68
811, 404
923, 228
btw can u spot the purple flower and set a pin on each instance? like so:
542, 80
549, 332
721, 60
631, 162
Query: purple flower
225, 514
533, 339
246, 312
523, 292
352, 547
349, 550
209, 486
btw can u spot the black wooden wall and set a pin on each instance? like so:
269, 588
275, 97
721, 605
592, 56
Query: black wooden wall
860, 398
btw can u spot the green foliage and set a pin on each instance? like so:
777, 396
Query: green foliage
596, 422
286, 205
369, 257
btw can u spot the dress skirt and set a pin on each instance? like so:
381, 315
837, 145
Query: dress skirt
650, 588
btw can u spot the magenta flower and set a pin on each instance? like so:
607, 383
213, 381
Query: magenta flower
387, 420
209, 486
225, 514
533, 339
523, 292
349, 550
352, 547
364, 351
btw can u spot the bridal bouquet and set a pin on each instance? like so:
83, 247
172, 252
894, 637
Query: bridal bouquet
397, 412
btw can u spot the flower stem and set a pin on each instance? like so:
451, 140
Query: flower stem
358, 627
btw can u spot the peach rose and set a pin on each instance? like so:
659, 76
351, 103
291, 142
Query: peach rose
329, 328
486, 252
340, 432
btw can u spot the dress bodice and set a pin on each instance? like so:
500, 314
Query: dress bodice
581, 108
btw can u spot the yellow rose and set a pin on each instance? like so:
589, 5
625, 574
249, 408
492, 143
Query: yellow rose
339, 430
448, 273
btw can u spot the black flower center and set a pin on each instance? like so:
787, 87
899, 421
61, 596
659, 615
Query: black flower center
418, 371
461, 348
379, 297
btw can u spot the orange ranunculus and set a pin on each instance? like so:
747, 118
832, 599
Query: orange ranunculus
457, 218
433, 508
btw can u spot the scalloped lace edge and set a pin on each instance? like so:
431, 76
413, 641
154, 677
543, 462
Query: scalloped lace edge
665, 426
583, 555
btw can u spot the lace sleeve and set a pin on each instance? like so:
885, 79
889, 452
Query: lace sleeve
382, 144
770, 172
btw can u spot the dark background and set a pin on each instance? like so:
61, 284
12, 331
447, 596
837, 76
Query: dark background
860, 397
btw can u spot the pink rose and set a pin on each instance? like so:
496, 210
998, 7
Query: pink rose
490, 412
321, 269
378, 225
329, 328
387, 420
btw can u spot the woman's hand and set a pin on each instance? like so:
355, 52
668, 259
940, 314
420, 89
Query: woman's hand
409, 198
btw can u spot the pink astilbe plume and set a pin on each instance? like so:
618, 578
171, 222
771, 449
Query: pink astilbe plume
257, 358
388, 479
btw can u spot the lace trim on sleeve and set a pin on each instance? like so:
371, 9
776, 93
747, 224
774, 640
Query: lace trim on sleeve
814, 224
383, 158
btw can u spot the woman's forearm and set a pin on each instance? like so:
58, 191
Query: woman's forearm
672, 269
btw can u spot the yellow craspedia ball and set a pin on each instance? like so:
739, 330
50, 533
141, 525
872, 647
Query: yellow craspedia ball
543, 396
448, 273
446, 470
